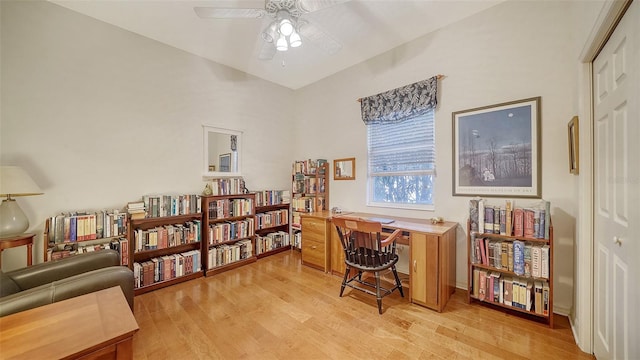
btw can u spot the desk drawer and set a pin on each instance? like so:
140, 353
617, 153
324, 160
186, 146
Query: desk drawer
314, 253
314, 228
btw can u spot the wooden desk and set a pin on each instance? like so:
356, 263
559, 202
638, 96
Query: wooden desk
98, 325
18, 240
432, 273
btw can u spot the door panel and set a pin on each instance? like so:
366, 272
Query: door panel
616, 83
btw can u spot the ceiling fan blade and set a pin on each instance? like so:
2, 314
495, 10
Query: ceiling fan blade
228, 13
267, 51
307, 6
318, 37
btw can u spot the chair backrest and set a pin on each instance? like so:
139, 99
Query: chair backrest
361, 242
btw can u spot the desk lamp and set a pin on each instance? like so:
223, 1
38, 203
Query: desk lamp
14, 181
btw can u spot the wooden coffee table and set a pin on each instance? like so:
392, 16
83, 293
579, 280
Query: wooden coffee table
96, 325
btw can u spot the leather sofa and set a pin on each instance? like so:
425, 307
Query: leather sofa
54, 281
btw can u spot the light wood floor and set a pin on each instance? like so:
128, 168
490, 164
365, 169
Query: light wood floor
278, 309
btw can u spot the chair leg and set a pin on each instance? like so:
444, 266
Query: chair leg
398, 282
378, 295
344, 279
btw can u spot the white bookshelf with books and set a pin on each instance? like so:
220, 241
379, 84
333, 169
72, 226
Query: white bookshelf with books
510, 258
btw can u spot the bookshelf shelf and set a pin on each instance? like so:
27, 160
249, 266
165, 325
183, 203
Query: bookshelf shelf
177, 257
230, 266
229, 217
273, 252
165, 283
518, 273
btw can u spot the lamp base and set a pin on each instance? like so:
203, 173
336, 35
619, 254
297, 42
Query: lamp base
13, 221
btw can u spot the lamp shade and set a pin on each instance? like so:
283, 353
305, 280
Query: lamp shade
14, 181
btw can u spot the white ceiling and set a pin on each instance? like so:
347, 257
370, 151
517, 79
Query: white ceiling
365, 28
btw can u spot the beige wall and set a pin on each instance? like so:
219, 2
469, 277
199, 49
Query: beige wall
100, 116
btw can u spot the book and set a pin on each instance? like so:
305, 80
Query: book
508, 291
496, 220
536, 260
518, 257
503, 221
510, 256
537, 307
488, 219
528, 223
482, 285
476, 282
545, 299
508, 218
473, 214
518, 222
544, 262
481, 216
527, 259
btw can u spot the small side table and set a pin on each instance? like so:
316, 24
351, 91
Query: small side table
18, 240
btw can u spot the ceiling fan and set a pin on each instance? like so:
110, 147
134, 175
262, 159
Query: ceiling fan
286, 28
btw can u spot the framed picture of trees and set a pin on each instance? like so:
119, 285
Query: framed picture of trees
496, 150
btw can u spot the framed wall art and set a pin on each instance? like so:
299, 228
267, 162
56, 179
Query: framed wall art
573, 132
496, 150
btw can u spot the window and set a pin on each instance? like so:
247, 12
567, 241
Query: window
402, 162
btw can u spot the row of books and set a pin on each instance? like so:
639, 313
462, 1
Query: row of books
166, 268
171, 205
272, 218
227, 254
227, 186
307, 204
307, 166
82, 226
121, 245
230, 230
162, 237
272, 197
224, 208
272, 241
522, 258
296, 241
307, 185
531, 222
524, 294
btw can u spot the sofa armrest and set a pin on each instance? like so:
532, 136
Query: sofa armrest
48, 272
70, 287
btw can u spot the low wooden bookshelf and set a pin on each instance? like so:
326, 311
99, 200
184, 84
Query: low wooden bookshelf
541, 309
228, 232
169, 247
272, 231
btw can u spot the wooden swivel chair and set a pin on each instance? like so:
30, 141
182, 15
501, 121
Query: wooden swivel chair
366, 249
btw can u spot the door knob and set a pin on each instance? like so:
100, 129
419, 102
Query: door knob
617, 241
415, 265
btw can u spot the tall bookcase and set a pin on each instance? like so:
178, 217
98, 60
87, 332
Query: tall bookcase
228, 231
534, 293
272, 222
310, 193
165, 250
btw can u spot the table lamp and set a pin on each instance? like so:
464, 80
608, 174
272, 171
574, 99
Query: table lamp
14, 182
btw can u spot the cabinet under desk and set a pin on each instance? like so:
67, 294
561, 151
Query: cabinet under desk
432, 249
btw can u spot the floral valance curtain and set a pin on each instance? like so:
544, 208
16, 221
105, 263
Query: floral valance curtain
401, 103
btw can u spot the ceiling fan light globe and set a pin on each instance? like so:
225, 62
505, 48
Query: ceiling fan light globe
281, 44
285, 27
295, 40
